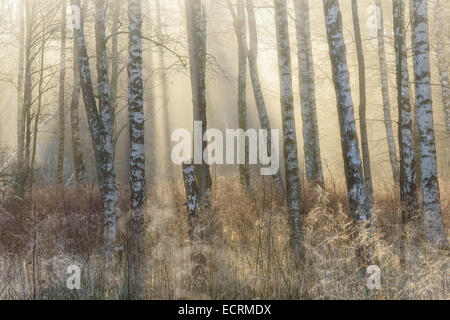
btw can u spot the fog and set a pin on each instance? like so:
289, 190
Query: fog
172, 101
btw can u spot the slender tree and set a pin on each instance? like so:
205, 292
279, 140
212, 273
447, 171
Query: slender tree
61, 96
196, 30
442, 63
114, 12
77, 153
20, 83
385, 93
150, 109
349, 138
313, 162
408, 188
256, 83
414, 102
430, 182
241, 36
292, 171
44, 38
30, 10
99, 125
362, 104
137, 152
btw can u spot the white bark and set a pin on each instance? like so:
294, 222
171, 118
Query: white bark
311, 145
408, 185
196, 30
292, 171
137, 152
136, 104
107, 130
430, 182
349, 138
100, 126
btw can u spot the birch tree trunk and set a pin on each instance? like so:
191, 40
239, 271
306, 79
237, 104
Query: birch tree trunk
137, 152
292, 171
107, 132
252, 54
105, 108
241, 36
196, 30
442, 63
349, 138
61, 97
78, 160
414, 102
408, 185
197, 179
313, 162
362, 104
385, 93
100, 128
191, 189
77, 153
430, 182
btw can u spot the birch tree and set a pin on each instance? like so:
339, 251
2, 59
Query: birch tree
311, 144
430, 182
241, 36
414, 102
252, 54
99, 120
61, 96
349, 138
196, 30
77, 153
362, 104
385, 94
137, 152
442, 63
292, 171
408, 188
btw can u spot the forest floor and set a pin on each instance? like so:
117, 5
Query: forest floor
248, 257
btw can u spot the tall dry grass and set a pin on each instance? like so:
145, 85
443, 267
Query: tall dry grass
247, 259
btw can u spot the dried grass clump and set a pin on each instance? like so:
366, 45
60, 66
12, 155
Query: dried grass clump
247, 257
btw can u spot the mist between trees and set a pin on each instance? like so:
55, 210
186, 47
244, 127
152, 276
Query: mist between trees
227, 133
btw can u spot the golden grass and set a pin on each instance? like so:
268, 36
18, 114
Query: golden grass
248, 259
